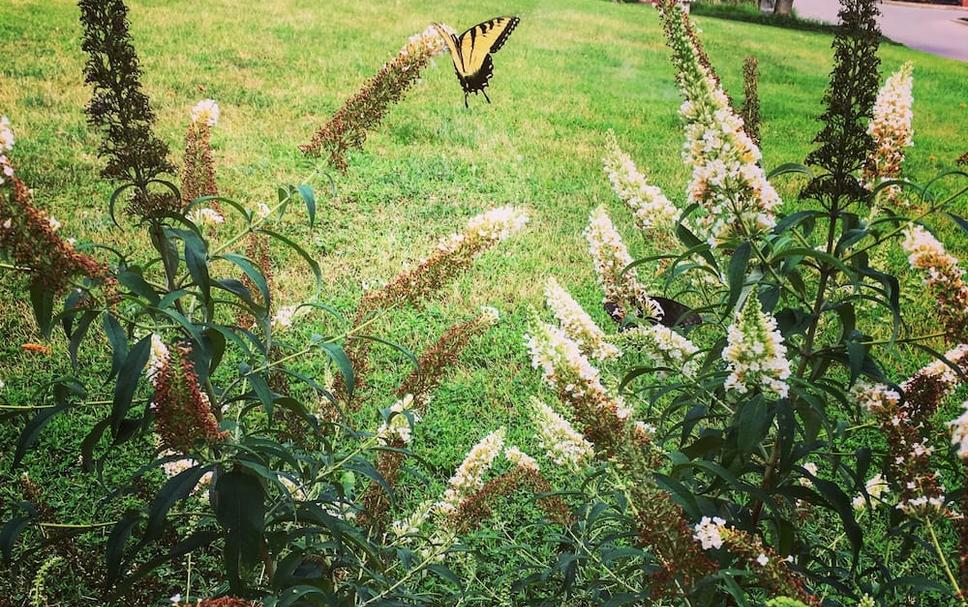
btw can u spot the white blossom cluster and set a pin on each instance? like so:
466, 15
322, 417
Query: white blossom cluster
611, 257
651, 207
708, 532
411, 525
755, 352
485, 230
959, 432
875, 487
489, 315
429, 42
206, 112
469, 477
521, 459
577, 323
177, 466
157, 356
284, 317
6, 145
925, 251
566, 369
399, 426
206, 216
923, 504
563, 444
664, 347
727, 181
891, 129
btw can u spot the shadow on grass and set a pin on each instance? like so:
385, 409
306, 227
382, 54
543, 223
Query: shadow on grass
750, 13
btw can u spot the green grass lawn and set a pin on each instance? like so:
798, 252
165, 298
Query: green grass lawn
571, 71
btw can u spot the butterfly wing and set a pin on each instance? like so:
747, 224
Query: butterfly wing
452, 45
475, 47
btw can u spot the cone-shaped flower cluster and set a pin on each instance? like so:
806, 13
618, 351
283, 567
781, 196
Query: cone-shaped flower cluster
577, 323
755, 352
469, 477
347, 128
891, 129
399, 428
664, 347
28, 235
727, 182
561, 442
198, 170
959, 432
650, 206
907, 428
944, 277
611, 257
6, 145
183, 411
436, 360
454, 254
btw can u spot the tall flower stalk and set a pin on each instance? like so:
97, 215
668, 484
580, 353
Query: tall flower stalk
347, 128
891, 130
727, 182
651, 207
943, 276
198, 167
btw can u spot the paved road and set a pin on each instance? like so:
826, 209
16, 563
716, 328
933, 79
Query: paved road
930, 29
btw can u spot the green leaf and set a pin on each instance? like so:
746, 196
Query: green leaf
10, 533
118, 340
32, 430
313, 265
42, 301
239, 505
790, 167
176, 488
78, 335
306, 191
114, 549
752, 424
128, 378
335, 352
139, 286
736, 274
253, 272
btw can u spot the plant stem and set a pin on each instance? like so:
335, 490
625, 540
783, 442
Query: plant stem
944, 561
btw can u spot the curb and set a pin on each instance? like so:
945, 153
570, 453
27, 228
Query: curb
927, 5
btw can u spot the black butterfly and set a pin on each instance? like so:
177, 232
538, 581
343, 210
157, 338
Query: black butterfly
674, 314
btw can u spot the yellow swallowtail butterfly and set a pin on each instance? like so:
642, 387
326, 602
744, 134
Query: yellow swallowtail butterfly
472, 50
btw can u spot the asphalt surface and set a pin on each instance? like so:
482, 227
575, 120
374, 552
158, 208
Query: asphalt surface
935, 30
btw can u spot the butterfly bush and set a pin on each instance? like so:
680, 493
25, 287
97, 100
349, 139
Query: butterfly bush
183, 410
610, 255
564, 445
198, 167
875, 487
399, 427
453, 255
727, 181
755, 352
29, 236
469, 477
347, 128
664, 347
566, 369
943, 276
577, 323
647, 202
892, 131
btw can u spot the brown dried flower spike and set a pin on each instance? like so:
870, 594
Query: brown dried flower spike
183, 410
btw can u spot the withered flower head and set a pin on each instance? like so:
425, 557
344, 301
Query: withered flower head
183, 410
118, 105
843, 142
